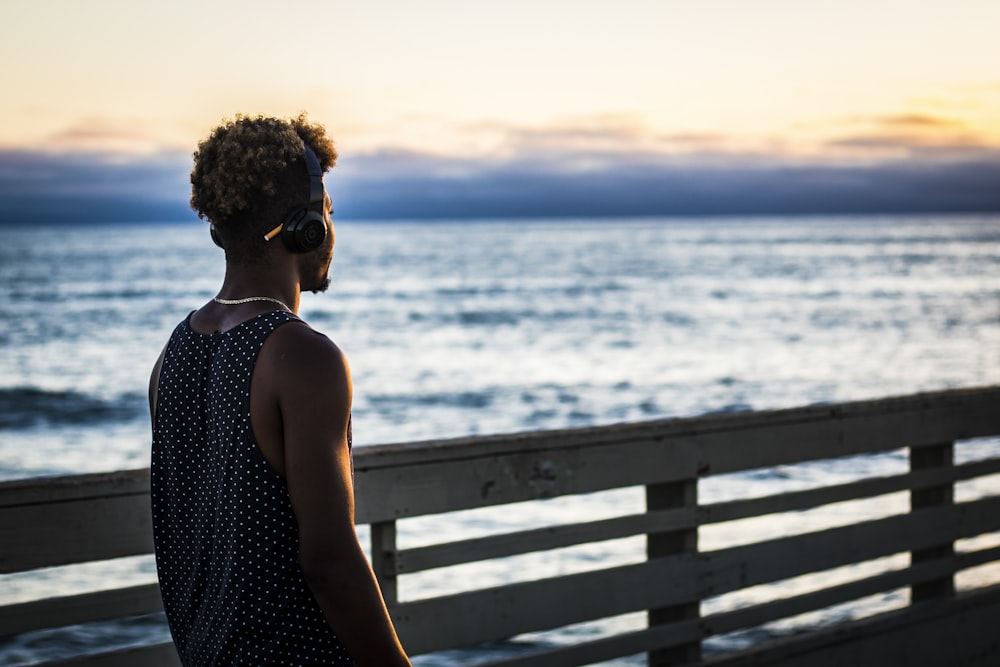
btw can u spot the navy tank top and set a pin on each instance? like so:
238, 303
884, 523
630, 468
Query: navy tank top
226, 540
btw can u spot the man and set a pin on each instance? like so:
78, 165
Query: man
251, 479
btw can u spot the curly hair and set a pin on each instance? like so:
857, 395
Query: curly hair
250, 173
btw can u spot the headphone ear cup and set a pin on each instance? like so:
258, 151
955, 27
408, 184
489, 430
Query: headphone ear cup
215, 236
305, 230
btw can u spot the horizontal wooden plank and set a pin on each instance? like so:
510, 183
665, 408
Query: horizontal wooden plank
483, 615
44, 552
845, 434
151, 655
760, 614
931, 417
489, 614
976, 406
47, 534
70, 610
61, 611
541, 539
423, 558
685, 631
948, 632
801, 500
41, 490
467, 474
495, 613
775, 560
418, 489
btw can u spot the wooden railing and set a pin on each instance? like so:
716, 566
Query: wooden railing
77, 519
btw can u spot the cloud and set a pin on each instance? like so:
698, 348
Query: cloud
914, 145
900, 163
584, 138
524, 187
916, 120
102, 134
40, 186
93, 172
909, 136
892, 164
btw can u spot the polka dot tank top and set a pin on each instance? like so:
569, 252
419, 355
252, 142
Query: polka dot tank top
226, 541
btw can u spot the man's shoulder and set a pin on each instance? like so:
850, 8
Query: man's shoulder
297, 346
303, 365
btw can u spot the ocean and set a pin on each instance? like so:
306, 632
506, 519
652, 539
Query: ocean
458, 328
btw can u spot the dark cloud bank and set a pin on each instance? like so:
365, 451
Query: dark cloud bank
82, 188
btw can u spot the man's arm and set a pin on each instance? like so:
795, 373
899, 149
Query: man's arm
312, 385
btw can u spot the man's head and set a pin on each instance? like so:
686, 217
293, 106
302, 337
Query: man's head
250, 174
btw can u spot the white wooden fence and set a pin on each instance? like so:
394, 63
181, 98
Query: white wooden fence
64, 520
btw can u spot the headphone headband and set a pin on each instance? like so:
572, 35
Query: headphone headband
315, 179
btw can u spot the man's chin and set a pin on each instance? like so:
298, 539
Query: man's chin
322, 287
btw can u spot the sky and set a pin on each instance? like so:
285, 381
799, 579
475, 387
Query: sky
449, 108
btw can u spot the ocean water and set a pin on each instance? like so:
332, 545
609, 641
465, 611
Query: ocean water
456, 328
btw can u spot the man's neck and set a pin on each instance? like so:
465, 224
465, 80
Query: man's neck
243, 281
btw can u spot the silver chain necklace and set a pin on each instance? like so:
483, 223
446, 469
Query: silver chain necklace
236, 302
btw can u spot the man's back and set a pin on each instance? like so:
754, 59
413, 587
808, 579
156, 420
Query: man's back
253, 493
226, 537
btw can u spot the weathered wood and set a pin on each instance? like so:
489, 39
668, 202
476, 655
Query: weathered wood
606, 648
465, 619
793, 501
955, 632
152, 655
469, 473
495, 613
758, 614
92, 517
630, 643
87, 529
659, 497
383, 539
85, 608
47, 490
385, 494
542, 539
774, 560
934, 457
967, 413
848, 432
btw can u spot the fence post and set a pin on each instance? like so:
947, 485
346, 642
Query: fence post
384, 559
923, 458
672, 495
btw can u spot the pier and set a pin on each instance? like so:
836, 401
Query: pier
83, 518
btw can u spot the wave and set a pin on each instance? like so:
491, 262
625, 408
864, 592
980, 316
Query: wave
86, 293
729, 408
460, 399
23, 408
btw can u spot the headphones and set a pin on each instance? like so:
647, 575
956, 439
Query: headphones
304, 229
